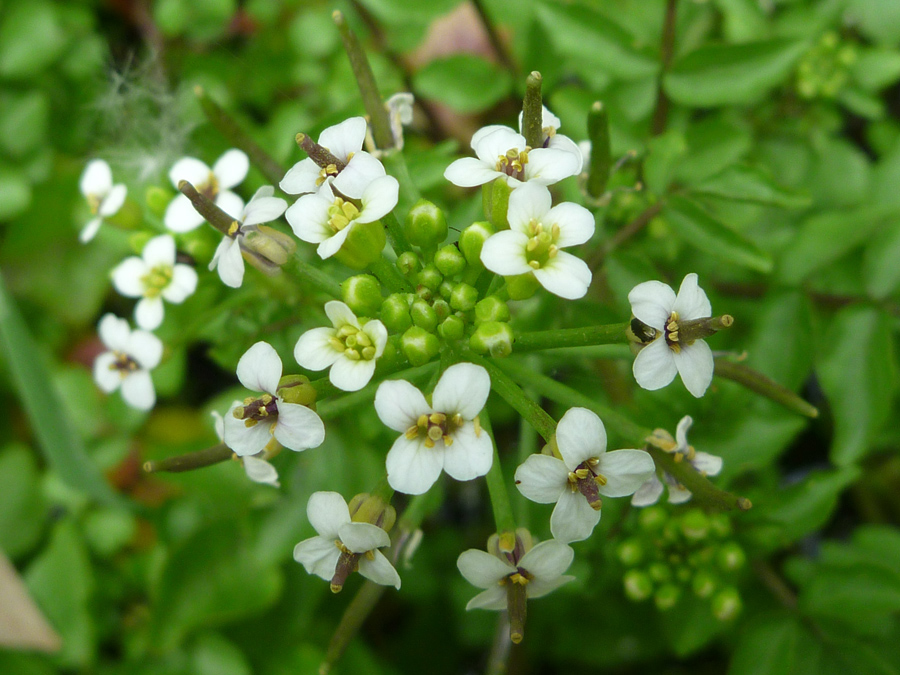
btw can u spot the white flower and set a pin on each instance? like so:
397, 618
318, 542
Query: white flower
344, 141
349, 349
400, 112
442, 436
326, 220
342, 544
262, 208
549, 124
703, 462
228, 171
585, 472
533, 242
104, 198
295, 426
131, 357
255, 466
154, 277
540, 571
655, 304
503, 152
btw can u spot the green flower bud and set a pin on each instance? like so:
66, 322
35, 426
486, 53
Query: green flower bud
660, 572
363, 245
671, 532
270, 247
472, 239
423, 315
362, 294
683, 574
666, 597
731, 557
419, 345
495, 201
138, 241
196, 244
442, 308
463, 297
720, 524
653, 518
425, 226
638, 586
703, 584
297, 389
522, 286
128, 217
492, 337
630, 552
408, 263
452, 328
395, 313
695, 525
430, 277
446, 289
157, 199
491, 308
366, 508
727, 604
450, 261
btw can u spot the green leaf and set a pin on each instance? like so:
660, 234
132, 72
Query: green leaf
714, 144
876, 68
466, 83
880, 269
62, 447
698, 228
22, 507
750, 184
665, 151
15, 193
876, 19
716, 75
767, 646
30, 39
857, 371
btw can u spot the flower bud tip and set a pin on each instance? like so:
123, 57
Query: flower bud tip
335, 588
149, 467
744, 504
515, 637
337, 17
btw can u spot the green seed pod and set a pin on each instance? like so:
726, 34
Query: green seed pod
362, 294
450, 261
395, 313
425, 226
727, 604
452, 328
522, 286
731, 557
638, 585
630, 552
495, 201
430, 277
419, 345
492, 337
491, 308
666, 597
423, 315
463, 297
472, 239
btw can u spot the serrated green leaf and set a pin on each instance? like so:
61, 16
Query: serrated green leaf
665, 151
466, 83
767, 647
714, 144
743, 183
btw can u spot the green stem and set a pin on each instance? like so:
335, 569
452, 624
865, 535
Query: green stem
703, 491
395, 234
191, 460
532, 111
601, 153
208, 209
494, 38
316, 278
503, 513
335, 409
667, 51
395, 163
388, 274
572, 337
765, 386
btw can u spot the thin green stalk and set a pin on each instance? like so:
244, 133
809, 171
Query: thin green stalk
316, 277
395, 163
533, 111
190, 461
503, 513
704, 492
395, 234
765, 386
207, 208
667, 51
601, 153
614, 333
388, 274
502, 54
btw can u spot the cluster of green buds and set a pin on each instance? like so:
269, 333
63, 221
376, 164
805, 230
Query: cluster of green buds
671, 553
825, 69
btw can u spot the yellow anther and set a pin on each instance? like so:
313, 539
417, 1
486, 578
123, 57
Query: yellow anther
582, 473
532, 244
554, 232
412, 432
573, 477
552, 251
347, 330
437, 418
448, 440
370, 555
601, 479
336, 344
422, 421
476, 422
534, 264
363, 340
368, 353
233, 228
248, 400
352, 354
428, 442
250, 422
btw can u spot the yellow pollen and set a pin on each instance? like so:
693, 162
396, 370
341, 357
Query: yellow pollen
534, 264
233, 228
582, 473
448, 441
437, 418
412, 432
428, 442
477, 424
370, 555
422, 421
601, 479
250, 422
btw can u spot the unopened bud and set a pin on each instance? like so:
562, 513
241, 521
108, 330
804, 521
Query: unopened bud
471, 241
463, 297
638, 585
157, 199
491, 308
363, 245
423, 315
445, 290
362, 294
731, 557
450, 261
395, 313
408, 264
366, 508
653, 518
430, 277
695, 525
522, 286
703, 584
495, 200
296, 389
425, 226
666, 596
441, 308
419, 346
630, 552
727, 604
452, 328
269, 244
660, 572
492, 337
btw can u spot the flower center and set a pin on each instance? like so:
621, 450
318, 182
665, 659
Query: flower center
586, 480
353, 343
156, 280
521, 577
256, 410
435, 427
541, 246
341, 214
209, 189
124, 364
513, 162
671, 333
325, 173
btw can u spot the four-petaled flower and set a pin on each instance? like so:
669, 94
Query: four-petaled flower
350, 349
502, 152
357, 170
250, 427
656, 305
443, 436
327, 220
705, 463
131, 357
255, 466
263, 207
584, 472
104, 198
533, 242
342, 545
154, 277
228, 171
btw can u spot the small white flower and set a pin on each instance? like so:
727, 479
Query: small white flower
655, 304
154, 277
104, 198
705, 463
350, 349
255, 466
344, 141
549, 125
263, 207
295, 426
442, 436
326, 220
533, 242
585, 472
131, 357
400, 112
502, 152
341, 544
216, 183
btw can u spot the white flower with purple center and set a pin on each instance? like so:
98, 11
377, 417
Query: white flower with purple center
533, 242
215, 183
255, 466
585, 471
154, 277
250, 426
443, 436
656, 305
103, 198
350, 348
127, 364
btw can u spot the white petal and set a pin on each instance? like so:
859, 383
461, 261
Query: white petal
229, 262
298, 428
308, 218
566, 144
677, 493
542, 478
181, 215
379, 199
127, 277
648, 493
463, 389
538, 588
707, 464
399, 404
470, 455
318, 556
684, 425
145, 348
190, 169
246, 440
113, 202
484, 131
90, 230
695, 365
691, 302
548, 119
183, 284
349, 375
528, 202
333, 244
652, 303
260, 368
362, 537
379, 570
481, 569
105, 375
137, 390
547, 166
314, 351
231, 168
327, 512
491, 146
260, 471
547, 560
565, 275
576, 223
654, 366
340, 314
625, 472
149, 313
493, 598
159, 251
580, 435
114, 332
377, 334
411, 467
573, 519
504, 253
263, 210
96, 180
342, 139
362, 170
301, 178
230, 203
469, 172
219, 423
